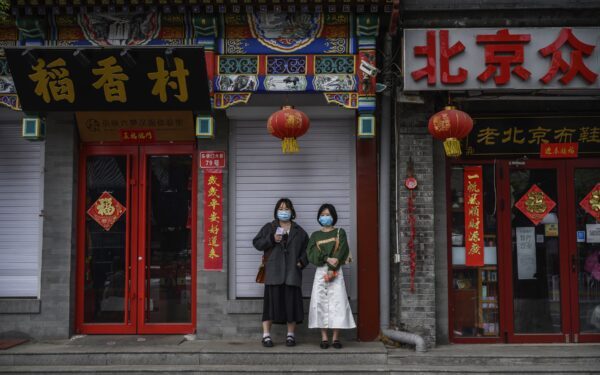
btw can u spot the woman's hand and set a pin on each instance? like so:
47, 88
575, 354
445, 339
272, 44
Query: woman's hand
333, 261
278, 238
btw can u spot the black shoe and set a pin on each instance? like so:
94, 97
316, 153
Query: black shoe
290, 341
337, 344
324, 344
267, 342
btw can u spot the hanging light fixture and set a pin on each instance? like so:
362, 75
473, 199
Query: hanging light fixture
450, 125
288, 124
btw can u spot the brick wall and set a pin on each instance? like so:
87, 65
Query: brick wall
415, 312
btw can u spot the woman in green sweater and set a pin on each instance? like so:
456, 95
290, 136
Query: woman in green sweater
329, 306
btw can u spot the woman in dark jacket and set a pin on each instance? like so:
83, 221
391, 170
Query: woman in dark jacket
284, 243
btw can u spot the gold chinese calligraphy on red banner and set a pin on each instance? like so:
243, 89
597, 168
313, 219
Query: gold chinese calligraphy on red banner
213, 219
106, 210
535, 204
473, 191
558, 150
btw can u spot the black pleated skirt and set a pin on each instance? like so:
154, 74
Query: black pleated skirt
283, 304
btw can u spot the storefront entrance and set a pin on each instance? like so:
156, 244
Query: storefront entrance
136, 239
541, 277
554, 288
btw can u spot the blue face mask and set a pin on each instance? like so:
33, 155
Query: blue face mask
284, 215
326, 220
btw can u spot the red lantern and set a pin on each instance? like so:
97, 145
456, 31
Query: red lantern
450, 125
288, 124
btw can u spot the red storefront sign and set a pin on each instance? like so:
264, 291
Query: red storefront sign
106, 210
213, 219
137, 135
559, 150
591, 202
212, 159
497, 58
535, 204
473, 190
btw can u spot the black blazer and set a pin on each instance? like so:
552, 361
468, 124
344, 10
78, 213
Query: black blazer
282, 266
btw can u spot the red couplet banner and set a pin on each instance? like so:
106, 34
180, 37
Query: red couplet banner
213, 219
473, 192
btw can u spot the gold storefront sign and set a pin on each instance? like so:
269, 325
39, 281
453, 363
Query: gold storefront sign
112, 126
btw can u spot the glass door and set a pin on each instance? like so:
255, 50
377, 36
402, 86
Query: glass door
136, 240
539, 283
106, 298
584, 246
166, 263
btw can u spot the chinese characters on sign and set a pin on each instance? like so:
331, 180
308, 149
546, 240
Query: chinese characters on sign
516, 58
473, 190
557, 136
558, 150
212, 159
106, 210
110, 79
137, 135
213, 219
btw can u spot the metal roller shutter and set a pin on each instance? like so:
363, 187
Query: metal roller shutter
21, 185
323, 171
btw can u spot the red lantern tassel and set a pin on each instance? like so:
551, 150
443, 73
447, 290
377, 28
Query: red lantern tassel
412, 221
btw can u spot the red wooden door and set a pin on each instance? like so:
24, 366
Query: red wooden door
582, 180
136, 272
551, 293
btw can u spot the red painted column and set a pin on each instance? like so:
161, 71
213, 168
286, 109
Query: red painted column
367, 239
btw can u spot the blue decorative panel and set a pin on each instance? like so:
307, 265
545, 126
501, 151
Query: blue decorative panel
205, 127
238, 64
334, 64
286, 64
34, 128
366, 126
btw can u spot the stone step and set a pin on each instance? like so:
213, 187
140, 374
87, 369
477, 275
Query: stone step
195, 353
500, 355
198, 369
298, 369
477, 370
491, 361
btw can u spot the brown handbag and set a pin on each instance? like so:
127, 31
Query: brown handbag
260, 276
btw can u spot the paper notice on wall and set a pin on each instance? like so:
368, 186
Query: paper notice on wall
526, 261
592, 233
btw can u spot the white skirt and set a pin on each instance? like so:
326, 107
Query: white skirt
329, 306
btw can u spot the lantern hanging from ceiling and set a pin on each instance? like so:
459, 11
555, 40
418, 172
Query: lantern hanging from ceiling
288, 124
450, 125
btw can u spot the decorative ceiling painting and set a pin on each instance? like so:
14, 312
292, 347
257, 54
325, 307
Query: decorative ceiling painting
131, 29
119, 29
271, 33
246, 52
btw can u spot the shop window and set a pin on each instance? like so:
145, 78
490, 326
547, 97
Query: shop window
474, 289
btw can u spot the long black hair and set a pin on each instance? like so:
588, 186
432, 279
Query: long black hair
289, 205
332, 212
